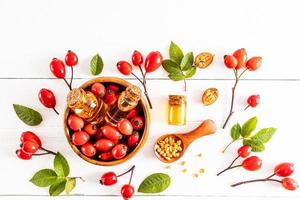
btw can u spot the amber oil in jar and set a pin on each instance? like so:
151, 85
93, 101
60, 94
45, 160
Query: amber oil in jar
177, 110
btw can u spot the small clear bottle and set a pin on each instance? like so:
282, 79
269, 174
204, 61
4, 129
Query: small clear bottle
177, 110
128, 100
86, 105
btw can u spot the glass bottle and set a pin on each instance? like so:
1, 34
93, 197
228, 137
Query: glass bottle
127, 100
177, 110
86, 105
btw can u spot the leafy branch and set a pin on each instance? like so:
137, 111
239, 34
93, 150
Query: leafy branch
244, 133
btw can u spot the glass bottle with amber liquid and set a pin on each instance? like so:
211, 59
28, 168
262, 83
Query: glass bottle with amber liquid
127, 101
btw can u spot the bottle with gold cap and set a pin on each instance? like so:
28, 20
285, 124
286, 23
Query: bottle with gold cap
128, 100
86, 105
177, 110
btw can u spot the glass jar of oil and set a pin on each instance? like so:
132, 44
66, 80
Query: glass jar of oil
177, 110
86, 105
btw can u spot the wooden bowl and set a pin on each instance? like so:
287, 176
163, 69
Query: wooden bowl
142, 106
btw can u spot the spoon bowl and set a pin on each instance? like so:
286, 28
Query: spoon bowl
207, 127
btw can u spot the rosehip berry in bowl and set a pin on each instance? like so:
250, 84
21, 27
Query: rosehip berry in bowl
125, 127
114, 87
132, 113
75, 123
241, 56
88, 149
244, 151
111, 132
108, 179
289, 184
104, 145
252, 163
254, 63
133, 139
106, 156
230, 61
153, 60
71, 59
127, 191
98, 135
91, 129
137, 123
30, 147
57, 68
124, 67
98, 90
137, 58
119, 151
23, 155
30, 136
110, 97
284, 169
253, 100
47, 98
80, 138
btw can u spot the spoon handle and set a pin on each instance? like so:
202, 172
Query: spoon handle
207, 127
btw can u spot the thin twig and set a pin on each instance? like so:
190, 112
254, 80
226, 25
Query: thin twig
255, 180
67, 83
48, 151
184, 84
145, 89
228, 168
72, 72
56, 111
130, 169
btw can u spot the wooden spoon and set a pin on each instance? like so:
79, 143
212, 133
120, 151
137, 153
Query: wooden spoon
207, 127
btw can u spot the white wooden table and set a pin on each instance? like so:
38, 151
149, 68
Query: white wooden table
33, 31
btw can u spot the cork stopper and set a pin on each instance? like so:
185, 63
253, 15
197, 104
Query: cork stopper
74, 96
133, 92
177, 99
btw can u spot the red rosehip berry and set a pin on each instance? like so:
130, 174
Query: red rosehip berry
75, 123
133, 139
153, 60
284, 169
57, 67
253, 100
30, 147
137, 123
289, 184
241, 56
98, 90
23, 155
254, 63
119, 151
30, 136
244, 151
124, 67
47, 98
71, 59
125, 127
88, 149
80, 138
252, 163
137, 58
127, 191
109, 178
230, 61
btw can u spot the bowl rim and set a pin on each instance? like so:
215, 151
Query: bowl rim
143, 139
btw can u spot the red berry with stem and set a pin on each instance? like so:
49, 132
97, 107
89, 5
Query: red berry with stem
88, 149
57, 67
244, 151
124, 67
80, 138
137, 123
284, 169
23, 155
230, 61
241, 56
137, 58
30, 147
47, 98
98, 90
30, 136
91, 129
109, 178
254, 63
71, 59
252, 163
133, 139
289, 184
75, 123
127, 191
119, 151
253, 100
153, 61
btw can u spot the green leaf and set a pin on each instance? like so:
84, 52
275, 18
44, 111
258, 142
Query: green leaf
187, 61
175, 53
248, 127
191, 72
28, 115
70, 185
61, 165
176, 77
264, 135
58, 187
44, 178
236, 131
256, 145
96, 65
155, 183
171, 66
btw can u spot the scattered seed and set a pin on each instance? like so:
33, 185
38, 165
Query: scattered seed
196, 175
199, 155
184, 170
202, 171
168, 166
183, 163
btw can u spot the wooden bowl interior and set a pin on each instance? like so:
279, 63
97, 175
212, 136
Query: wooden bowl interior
141, 106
